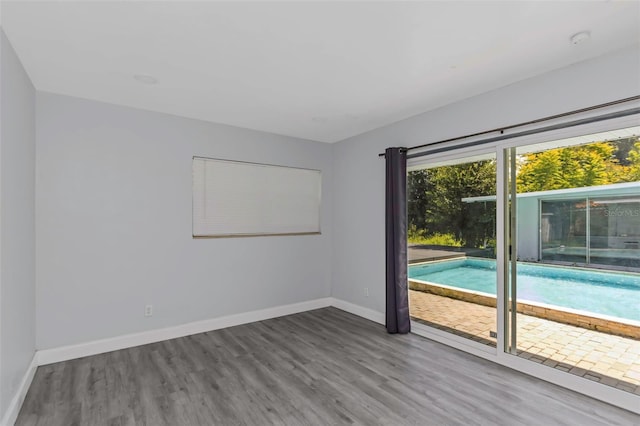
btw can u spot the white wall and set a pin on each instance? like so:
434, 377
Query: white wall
528, 232
358, 243
17, 238
113, 224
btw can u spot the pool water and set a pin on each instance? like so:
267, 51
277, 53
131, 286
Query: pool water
606, 293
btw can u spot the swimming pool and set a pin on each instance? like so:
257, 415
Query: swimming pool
606, 293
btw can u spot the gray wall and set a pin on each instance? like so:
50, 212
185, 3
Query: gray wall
113, 224
17, 210
358, 244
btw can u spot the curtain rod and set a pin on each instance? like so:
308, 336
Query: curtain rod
526, 123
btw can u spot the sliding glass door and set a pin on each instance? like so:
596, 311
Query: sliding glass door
534, 250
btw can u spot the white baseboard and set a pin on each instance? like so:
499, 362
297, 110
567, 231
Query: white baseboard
64, 353
358, 310
13, 409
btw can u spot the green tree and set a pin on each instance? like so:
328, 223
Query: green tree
436, 206
541, 171
419, 188
633, 169
571, 167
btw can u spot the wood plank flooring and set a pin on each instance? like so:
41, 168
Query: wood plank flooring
324, 367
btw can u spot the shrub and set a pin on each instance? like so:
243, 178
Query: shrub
419, 236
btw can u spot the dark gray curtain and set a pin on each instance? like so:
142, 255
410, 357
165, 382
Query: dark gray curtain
396, 241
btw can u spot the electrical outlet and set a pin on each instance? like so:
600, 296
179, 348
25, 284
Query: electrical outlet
366, 291
148, 311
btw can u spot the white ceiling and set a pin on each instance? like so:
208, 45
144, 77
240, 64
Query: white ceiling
321, 71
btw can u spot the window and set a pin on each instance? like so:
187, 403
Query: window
233, 198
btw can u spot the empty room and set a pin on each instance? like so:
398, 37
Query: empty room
319, 213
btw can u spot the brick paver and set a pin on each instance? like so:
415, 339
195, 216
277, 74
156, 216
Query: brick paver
608, 359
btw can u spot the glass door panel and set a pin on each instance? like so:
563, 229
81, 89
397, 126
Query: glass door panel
451, 247
563, 230
573, 277
614, 231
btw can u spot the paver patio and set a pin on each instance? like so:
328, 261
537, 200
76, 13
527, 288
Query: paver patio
604, 358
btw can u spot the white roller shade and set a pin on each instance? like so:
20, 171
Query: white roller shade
234, 199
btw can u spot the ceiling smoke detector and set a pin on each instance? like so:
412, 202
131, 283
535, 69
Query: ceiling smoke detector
146, 79
580, 37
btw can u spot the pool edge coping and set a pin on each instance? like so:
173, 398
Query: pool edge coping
575, 317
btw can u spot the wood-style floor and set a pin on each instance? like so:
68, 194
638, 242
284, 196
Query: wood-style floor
324, 367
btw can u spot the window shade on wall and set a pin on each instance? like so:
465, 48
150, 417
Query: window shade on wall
233, 198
